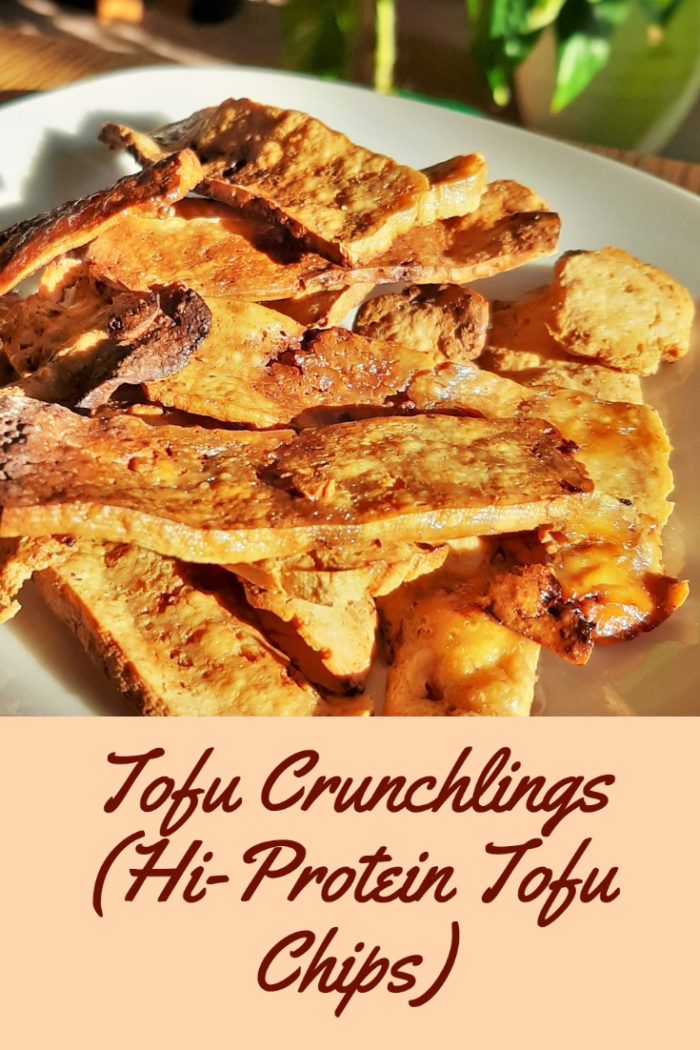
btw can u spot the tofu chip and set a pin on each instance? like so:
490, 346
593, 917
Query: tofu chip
259, 368
146, 336
323, 309
520, 346
32, 243
333, 645
456, 660
446, 320
222, 254
331, 586
20, 558
449, 656
512, 226
225, 496
624, 313
342, 200
67, 314
173, 638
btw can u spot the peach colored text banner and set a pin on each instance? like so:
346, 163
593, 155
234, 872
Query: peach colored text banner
349, 883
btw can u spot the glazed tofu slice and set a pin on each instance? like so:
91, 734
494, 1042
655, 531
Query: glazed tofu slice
225, 496
260, 368
346, 201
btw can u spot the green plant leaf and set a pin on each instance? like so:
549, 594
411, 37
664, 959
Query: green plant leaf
507, 17
584, 29
542, 13
579, 58
660, 11
501, 38
319, 35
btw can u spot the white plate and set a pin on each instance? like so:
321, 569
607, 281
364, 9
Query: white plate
52, 154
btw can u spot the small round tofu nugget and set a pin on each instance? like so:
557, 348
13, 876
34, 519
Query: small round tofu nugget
629, 315
445, 319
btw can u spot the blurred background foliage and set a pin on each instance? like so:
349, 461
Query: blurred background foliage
538, 59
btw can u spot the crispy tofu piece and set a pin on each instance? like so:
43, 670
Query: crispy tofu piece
260, 368
465, 387
528, 600
518, 335
341, 199
333, 645
342, 585
68, 313
221, 252
323, 309
624, 313
603, 561
598, 381
454, 659
225, 497
173, 639
20, 558
147, 336
511, 226
620, 587
521, 347
445, 320
624, 448
456, 187
449, 656
508, 578
32, 243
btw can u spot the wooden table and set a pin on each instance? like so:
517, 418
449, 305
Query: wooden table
34, 62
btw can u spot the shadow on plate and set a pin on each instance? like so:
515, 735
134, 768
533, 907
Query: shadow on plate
66, 167
61, 656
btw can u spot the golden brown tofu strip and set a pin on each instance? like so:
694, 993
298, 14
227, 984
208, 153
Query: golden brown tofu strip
224, 497
225, 254
260, 368
32, 243
331, 586
345, 201
333, 645
171, 639
623, 447
511, 226
222, 253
